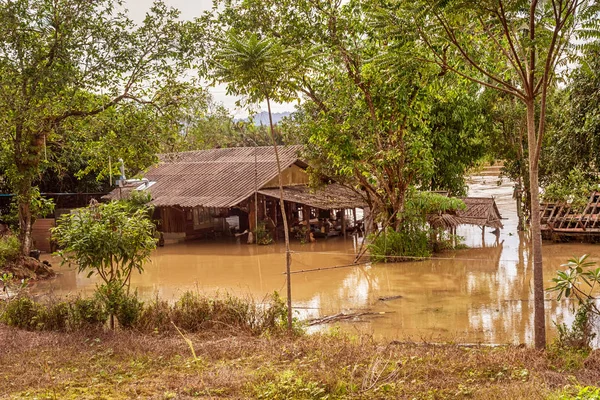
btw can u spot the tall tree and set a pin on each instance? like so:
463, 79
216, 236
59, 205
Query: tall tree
366, 119
513, 46
259, 70
53, 54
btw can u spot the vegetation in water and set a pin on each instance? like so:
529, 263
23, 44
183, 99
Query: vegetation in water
419, 233
263, 236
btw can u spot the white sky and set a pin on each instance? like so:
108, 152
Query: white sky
190, 9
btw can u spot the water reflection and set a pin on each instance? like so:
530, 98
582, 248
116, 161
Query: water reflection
483, 294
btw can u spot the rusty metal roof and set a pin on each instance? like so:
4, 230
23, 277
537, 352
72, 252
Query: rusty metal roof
214, 178
333, 196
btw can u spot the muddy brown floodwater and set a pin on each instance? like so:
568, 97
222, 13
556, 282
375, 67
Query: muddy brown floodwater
480, 295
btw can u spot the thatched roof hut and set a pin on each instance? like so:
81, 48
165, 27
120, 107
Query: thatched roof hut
480, 211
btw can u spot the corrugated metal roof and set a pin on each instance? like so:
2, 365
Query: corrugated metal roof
214, 178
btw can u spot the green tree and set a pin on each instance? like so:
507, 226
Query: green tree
109, 240
374, 116
53, 54
514, 47
573, 143
259, 69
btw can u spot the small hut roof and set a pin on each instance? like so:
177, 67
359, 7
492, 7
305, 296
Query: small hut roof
213, 178
481, 211
333, 196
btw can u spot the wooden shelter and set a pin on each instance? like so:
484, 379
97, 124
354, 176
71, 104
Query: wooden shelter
196, 192
562, 221
480, 211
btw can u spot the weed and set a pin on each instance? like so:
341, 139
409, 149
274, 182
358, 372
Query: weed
289, 386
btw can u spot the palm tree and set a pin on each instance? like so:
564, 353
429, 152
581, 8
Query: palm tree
258, 69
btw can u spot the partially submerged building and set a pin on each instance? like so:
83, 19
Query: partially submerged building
212, 193
562, 221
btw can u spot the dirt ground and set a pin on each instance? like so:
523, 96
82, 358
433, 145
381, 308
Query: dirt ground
129, 365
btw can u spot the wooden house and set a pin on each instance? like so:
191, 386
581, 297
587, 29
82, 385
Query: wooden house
197, 193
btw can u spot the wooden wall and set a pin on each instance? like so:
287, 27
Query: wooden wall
40, 233
291, 176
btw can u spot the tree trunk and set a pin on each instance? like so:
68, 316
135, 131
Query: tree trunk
536, 235
286, 232
25, 216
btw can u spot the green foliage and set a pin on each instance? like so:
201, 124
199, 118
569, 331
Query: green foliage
53, 316
21, 312
127, 308
580, 393
111, 240
263, 236
288, 385
57, 83
25, 313
573, 143
256, 68
413, 237
395, 246
9, 249
577, 280
87, 313
191, 313
574, 189
580, 335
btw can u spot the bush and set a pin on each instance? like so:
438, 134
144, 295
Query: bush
87, 313
53, 316
129, 310
120, 304
155, 317
9, 249
580, 335
21, 312
191, 312
393, 246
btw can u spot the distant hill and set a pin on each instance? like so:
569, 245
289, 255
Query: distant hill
262, 118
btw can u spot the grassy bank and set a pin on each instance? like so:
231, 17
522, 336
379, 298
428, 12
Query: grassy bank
129, 364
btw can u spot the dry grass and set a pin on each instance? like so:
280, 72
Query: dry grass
123, 365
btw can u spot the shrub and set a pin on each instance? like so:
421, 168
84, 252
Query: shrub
263, 237
53, 316
129, 310
155, 317
87, 313
120, 304
393, 246
580, 334
9, 249
191, 312
21, 312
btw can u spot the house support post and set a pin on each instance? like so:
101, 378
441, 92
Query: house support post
344, 222
306, 219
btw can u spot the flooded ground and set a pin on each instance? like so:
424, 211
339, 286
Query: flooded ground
483, 294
